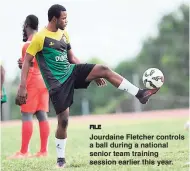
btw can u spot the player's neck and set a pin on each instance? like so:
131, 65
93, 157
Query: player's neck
51, 27
30, 32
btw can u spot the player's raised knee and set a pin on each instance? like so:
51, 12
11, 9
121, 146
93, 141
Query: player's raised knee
104, 70
104, 67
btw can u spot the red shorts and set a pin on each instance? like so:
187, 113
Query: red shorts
38, 99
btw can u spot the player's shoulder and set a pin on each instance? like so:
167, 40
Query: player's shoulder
66, 35
65, 32
40, 34
42, 31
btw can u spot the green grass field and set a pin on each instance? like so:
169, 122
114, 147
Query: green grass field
77, 151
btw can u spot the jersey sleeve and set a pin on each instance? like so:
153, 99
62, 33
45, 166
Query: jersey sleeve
67, 40
35, 45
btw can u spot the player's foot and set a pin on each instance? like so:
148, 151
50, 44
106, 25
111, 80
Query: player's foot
61, 162
20, 155
145, 94
40, 154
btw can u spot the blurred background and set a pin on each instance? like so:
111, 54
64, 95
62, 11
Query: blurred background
129, 36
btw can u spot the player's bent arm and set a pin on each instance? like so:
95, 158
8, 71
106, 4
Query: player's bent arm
25, 69
72, 58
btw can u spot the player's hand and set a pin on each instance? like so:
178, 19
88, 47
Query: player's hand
21, 96
20, 63
101, 82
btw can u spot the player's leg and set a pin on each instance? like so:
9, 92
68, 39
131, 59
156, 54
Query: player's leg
102, 71
27, 111
44, 130
61, 137
27, 130
62, 99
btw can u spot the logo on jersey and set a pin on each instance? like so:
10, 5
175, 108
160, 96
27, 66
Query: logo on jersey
61, 58
51, 44
64, 38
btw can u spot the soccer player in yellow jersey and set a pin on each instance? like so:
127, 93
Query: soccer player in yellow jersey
62, 73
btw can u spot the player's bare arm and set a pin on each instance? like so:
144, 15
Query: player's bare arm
22, 92
72, 58
25, 69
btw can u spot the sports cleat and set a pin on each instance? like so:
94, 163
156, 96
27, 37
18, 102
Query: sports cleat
61, 162
19, 155
145, 94
40, 154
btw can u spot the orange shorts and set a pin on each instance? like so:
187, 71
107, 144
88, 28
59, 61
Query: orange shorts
38, 99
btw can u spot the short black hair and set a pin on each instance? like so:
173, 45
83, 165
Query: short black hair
55, 11
32, 21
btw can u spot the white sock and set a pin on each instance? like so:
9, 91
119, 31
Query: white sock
129, 87
60, 147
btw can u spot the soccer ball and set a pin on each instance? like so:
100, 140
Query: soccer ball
153, 78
